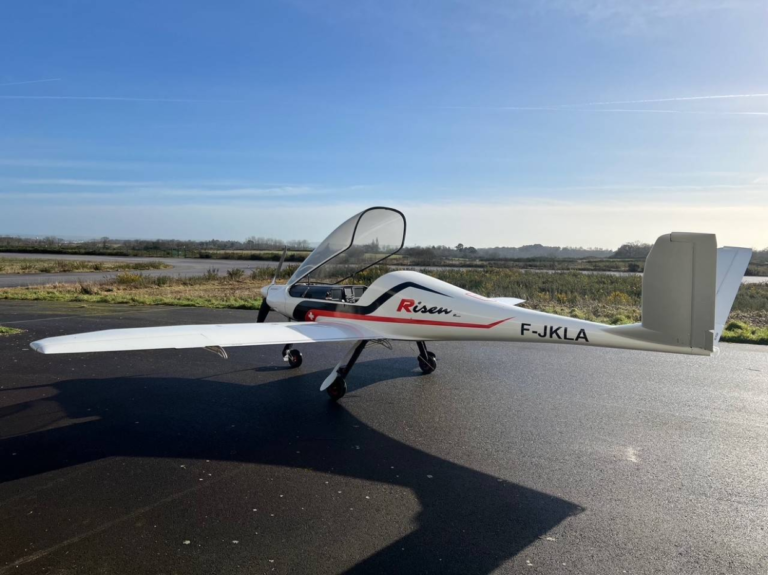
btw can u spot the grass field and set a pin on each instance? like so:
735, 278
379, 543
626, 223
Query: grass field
46, 266
604, 298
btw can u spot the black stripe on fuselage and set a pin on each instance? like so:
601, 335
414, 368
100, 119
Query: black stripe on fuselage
300, 311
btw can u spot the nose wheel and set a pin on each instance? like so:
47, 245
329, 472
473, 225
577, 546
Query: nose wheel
292, 356
337, 389
335, 385
427, 359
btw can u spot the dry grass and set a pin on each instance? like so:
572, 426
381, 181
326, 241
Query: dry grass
46, 266
220, 293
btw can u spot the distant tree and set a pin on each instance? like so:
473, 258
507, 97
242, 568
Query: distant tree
632, 250
423, 256
760, 256
299, 245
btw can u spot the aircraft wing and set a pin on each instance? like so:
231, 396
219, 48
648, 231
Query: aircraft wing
202, 336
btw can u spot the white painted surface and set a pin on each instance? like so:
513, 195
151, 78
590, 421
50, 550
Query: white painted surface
200, 336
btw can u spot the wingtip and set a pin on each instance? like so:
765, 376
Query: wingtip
37, 346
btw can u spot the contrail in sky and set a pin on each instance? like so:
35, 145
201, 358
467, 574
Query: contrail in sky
641, 110
657, 100
603, 110
112, 99
587, 106
31, 82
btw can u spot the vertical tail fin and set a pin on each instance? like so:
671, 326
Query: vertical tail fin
688, 289
679, 290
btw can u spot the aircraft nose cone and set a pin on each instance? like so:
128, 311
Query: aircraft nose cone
264, 291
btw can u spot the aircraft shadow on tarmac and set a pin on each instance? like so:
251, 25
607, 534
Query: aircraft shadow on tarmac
472, 520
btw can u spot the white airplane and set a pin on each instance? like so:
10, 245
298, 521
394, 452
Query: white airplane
688, 289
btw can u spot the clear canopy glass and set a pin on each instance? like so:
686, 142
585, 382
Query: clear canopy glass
362, 241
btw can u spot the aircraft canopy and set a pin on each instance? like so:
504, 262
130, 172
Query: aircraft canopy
364, 240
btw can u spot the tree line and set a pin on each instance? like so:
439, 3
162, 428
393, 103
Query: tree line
423, 255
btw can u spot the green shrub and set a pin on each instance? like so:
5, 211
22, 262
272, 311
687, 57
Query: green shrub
9, 331
128, 278
739, 332
88, 288
736, 326
211, 274
618, 298
235, 274
577, 314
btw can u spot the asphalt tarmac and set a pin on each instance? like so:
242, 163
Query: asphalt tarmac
510, 458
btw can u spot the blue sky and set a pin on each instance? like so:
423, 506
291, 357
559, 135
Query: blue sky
589, 122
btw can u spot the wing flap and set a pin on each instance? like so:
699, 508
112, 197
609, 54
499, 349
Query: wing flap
202, 336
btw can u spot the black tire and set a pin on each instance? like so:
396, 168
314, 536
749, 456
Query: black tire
428, 366
337, 389
294, 358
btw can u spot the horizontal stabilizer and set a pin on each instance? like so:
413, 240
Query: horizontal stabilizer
202, 336
731, 265
510, 301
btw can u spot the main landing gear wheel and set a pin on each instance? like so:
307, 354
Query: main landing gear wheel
293, 357
337, 389
429, 365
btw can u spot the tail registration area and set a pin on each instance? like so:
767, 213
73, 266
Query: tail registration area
552, 332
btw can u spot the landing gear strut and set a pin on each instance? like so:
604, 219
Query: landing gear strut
427, 359
292, 356
335, 385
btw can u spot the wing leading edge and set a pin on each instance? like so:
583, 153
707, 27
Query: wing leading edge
201, 336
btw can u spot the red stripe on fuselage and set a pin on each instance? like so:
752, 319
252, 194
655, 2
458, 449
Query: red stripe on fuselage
341, 315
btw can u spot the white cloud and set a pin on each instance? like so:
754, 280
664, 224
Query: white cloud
633, 16
648, 9
485, 19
